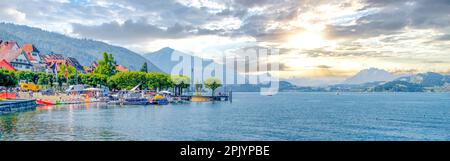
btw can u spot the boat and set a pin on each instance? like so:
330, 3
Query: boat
159, 100
45, 103
130, 99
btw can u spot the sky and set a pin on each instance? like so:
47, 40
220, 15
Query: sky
320, 41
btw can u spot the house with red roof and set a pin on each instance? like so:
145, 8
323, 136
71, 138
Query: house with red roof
122, 68
5, 65
35, 57
90, 69
15, 56
53, 61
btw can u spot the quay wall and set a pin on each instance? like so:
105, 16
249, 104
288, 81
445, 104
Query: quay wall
11, 106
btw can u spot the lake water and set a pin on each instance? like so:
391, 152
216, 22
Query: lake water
285, 116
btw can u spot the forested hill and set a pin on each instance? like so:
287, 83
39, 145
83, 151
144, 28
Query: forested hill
86, 51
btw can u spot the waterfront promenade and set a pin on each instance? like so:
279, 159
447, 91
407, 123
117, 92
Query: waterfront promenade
10, 106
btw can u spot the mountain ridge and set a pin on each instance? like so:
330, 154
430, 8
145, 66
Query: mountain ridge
371, 75
84, 50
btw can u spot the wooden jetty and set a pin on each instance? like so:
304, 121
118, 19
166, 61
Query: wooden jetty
10, 106
228, 97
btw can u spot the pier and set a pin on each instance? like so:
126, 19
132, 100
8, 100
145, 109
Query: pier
227, 97
11, 106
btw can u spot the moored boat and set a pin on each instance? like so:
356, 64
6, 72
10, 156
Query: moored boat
45, 103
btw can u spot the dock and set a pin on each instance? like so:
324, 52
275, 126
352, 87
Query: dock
228, 97
11, 106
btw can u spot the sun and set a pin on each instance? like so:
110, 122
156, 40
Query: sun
306, 40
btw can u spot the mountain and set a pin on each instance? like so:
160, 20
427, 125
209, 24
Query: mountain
370, 75
417, 83
429, 79
163, 59
84, 50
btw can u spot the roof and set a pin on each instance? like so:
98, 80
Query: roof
74, 62
122, 68
28, 49
55, 56
9, 50
4, 64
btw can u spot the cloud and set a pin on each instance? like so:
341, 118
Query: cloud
139, 30
393, 17
445, 37
324, 66
12, 15
392, 32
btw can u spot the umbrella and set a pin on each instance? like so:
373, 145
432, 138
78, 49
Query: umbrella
93, 89
165, 92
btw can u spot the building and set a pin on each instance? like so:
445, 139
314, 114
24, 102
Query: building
122, 68
5, 65
15, 56
74, 62
35, 57
55, 60
90, 69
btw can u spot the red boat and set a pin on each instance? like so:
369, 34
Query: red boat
41, 102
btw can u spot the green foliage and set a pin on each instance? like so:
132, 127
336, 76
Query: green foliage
84, 50
144, 68
180, 82
70, 69
198, 88
45, 79
93, 79
28, 77
128, 80
8, 78
74, 79
213, 84
106, 66
61, 80
158, 81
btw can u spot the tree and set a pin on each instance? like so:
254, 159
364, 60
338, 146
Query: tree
43, 79
61, 80
198, 88
180, 82
94, 80
51, 79
8, 78
144, 68
158, 81
68, 72
213, 83
128, 80
70, 69
106, 66
74, 79
28, 77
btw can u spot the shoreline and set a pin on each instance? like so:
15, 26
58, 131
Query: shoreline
18, 105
